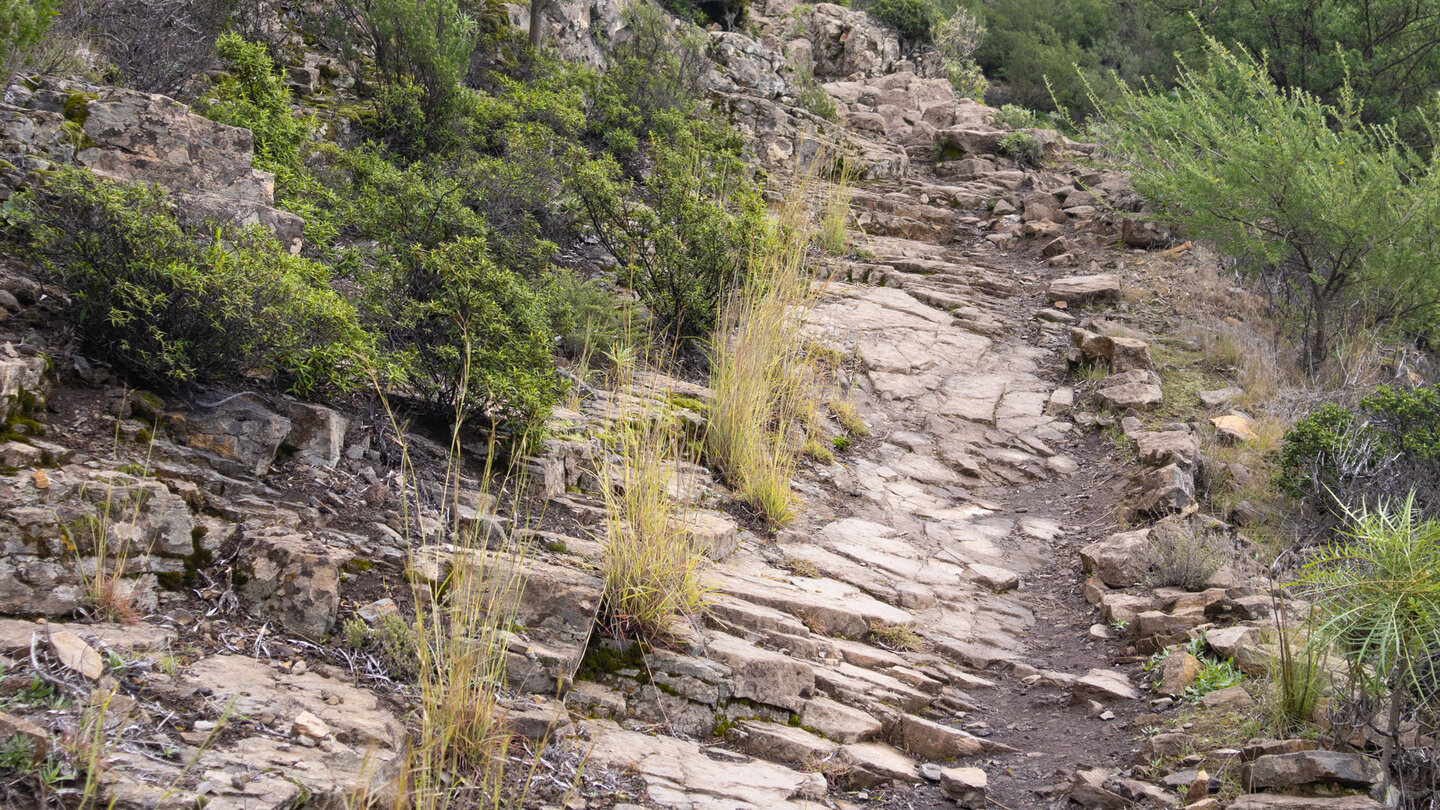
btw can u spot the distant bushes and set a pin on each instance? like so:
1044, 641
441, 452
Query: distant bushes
22, 24
913, 20
1343, 459
171, 304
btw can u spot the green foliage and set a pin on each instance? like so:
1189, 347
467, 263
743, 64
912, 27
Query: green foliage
1385, 50
472, 338
967, 79
655, 78
1388, 444
587, 319
1013, 116
685, 236
1377, 596
1186, 557
423, 47
1025, 147
22, 24
812, 96
913, 20
251, 94
170, 304
1337, 215
1043, 52
1214, 676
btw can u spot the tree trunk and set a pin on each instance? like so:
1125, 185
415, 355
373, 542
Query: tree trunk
537, 9
1319, 343
1392, 734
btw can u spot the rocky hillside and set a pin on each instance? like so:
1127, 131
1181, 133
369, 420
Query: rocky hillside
985, 599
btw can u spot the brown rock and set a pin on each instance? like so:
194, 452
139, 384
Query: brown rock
1178, 673
966, 786
75, 654
1307, 768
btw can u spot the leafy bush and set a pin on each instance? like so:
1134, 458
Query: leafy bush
655, 79
1387, 445
1025, 147
1013, 116
810, 95
967, 79
1337, 216
168, 306
685, 236
22, 24
587, 319
472, 338
1186, 557
420, 44
913, 20
251, 94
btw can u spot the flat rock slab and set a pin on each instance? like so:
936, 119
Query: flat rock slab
1309, 767
838, 722
877, 764
762, 675
1105, 686
777, 743
1272, 801
678, 774
1082, 290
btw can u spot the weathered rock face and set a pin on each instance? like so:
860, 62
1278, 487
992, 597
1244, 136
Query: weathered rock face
1120, 560
143, 137
292, 579
240, 435
1310, 767
22, 384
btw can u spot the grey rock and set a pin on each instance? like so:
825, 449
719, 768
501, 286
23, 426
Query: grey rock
1309, 767
291, 578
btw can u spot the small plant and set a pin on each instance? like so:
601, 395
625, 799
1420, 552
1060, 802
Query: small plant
842, 443
816, 450
896, 636
849, 418
1214, 676
1024, 147
811, 96
800, 567
1013, 116
1186, 557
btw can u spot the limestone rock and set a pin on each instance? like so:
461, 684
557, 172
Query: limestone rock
1120, 560
1161, 448
1178, 673
317, 433
1166, 490
678, 774
877, 763
20, 376
778, 743
1233, 428
1105, 686
966, 786
931, 740
1219, 397
712, 531
1309, 767
762, 675
838, 722
76, 655
293, 579
240, 434
1273, 801
1137, 388
1083, 290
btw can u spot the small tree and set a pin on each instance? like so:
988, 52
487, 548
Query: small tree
22, 24
913, 20
1332, 212
1377, 595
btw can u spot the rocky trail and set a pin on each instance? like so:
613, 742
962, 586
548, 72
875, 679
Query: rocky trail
954, 618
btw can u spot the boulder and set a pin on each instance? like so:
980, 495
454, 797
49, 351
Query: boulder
1088, 790
241, 436
1083, 290
1219, 397
965, 786
968, 142
22, 384
877, 764
1120, 560
1177, 674
1162, 448
1233, 428
928, 739
317, 433
1137, 388
1103, 686
778, 743
1242, 644
1308, 768
1167, 489
292, 579
1144, 233
838, 722
762, 675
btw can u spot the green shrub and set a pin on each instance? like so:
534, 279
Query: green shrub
913, 20
1025, 147
967, 79
655, 79
1387, 445
251, 94
1185, 556
170, 306
22, 24
684, 237
424, 46
472, 338
1013, 116
810, 95
587, 319
1331, 212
